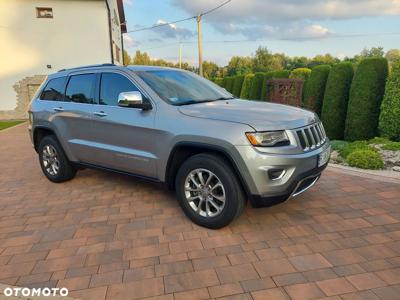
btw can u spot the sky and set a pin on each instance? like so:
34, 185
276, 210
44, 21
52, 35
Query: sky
294, 27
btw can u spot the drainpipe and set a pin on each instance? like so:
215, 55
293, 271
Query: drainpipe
109, 31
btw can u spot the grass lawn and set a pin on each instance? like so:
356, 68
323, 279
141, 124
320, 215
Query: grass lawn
6, 124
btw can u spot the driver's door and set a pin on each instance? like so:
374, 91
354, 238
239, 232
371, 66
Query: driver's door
123, 136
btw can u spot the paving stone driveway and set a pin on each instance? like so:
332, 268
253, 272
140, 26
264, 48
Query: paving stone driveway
104, 235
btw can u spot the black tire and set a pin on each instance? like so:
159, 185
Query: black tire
234, 197
65, 170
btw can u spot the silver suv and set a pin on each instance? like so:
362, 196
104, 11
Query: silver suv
174, 127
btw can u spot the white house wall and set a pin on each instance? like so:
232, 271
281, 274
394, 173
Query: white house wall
78, 34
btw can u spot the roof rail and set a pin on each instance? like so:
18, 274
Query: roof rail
89, 66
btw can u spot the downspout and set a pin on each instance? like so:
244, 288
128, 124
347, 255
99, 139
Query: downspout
122, 46
109, 31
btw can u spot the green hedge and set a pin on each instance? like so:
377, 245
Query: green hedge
245, 92
315, 88
366, 95
224, 82
334, 107
229, 83
301, 73
256, 86
272, 75
237, 85
365, 159
389, 120
218, 81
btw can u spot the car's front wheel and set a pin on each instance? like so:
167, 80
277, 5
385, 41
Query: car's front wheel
54, 163
208, 191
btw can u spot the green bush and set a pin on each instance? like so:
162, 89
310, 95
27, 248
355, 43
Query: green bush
366, 95
218, 81
354, 146
245, 92
389, 120
280, 74
338, 145
237, 85
315, 88
256, 86
394, 146
300, 73
229, 83
334, 107
224, 82
365, 159
378, 141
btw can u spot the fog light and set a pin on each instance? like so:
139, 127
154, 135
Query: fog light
276, 174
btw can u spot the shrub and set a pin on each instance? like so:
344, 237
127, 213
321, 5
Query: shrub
389, 120
393, 146
224, 82
351, 147
256, 86
365, 159
366, 95
245, 92
315, 88
300, 73
378, 141
229, 83
237, 85
218, 81
338, 145
334, 107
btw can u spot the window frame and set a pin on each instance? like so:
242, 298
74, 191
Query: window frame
93, 91
63, 91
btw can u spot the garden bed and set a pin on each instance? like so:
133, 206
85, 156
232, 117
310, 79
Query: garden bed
375, 154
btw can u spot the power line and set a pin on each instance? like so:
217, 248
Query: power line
181, 20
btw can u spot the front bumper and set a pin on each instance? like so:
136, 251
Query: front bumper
300, 172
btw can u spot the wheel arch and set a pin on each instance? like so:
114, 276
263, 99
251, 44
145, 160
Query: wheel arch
183, 150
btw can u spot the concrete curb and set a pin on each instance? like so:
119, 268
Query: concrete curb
381, 175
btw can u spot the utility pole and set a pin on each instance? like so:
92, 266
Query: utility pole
200, 45
180, 55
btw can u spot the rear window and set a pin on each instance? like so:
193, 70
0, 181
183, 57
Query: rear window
54, 90
80, 88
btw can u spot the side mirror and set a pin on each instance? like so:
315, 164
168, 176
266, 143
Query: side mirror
133, 99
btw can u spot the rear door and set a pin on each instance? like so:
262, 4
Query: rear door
124, 136
74, 118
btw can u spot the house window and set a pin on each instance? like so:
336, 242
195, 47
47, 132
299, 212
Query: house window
44, 12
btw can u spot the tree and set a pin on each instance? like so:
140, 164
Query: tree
325, 59
315, 88
127, 59
296, 62
366, 95
262, 60
373, 52
237, 85
210, 69
141, 58
389, 119
301, 73
393, 56
334, 107
239, 65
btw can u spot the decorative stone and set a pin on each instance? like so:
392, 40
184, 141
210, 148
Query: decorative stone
396, 168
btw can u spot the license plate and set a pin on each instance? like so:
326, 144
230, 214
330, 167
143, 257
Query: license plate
323, 157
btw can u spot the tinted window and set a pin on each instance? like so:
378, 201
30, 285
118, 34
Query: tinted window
81, 88
111, 86
54, 89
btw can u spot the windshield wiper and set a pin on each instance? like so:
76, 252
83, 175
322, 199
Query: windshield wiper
224, 98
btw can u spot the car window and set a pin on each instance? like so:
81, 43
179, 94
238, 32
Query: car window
111, 85
54, 90
80, 88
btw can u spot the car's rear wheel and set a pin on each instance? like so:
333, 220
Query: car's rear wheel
53, 161
208, 191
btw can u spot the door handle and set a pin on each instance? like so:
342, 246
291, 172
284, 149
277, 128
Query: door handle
100, 113
58, 109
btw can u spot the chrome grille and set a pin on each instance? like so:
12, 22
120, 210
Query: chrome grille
312, 136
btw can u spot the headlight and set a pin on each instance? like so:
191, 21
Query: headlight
268, 139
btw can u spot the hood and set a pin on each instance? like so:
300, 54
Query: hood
262, 116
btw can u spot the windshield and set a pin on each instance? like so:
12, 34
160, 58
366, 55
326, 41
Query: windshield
181, 88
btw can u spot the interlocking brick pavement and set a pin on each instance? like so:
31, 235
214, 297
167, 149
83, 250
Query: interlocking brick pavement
108, 236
